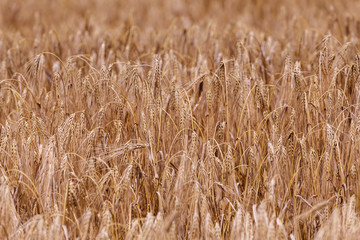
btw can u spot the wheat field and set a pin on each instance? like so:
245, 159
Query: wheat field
179, 119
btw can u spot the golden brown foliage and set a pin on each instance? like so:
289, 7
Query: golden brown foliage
179, 119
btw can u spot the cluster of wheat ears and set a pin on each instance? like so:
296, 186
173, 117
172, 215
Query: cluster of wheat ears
179, 120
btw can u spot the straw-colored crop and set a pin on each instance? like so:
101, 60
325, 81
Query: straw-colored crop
179, 119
